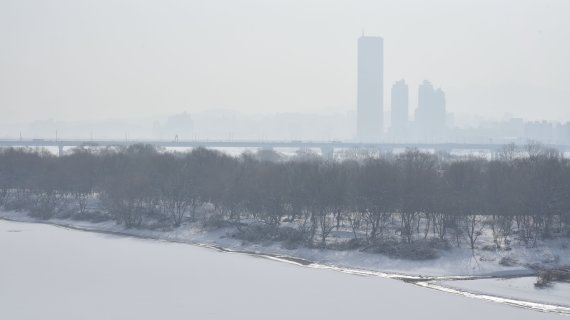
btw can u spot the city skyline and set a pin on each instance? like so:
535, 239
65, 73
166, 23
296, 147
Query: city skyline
282, 127
428, 122
82, 60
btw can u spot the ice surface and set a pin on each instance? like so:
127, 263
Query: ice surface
55, 273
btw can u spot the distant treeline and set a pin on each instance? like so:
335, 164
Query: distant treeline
523, 195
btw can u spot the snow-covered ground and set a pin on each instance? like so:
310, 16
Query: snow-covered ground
453, 262
517, 288
55, 273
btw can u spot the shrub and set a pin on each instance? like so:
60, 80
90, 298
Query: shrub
418, 250
351, 244
489, 247
92, 216
290, 235
508, 261
546, 277
214, 221
18, 204
256, 233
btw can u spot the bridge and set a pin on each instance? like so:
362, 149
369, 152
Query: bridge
327, 147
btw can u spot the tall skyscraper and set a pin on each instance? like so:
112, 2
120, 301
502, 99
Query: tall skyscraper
430, 114
399, 111
370, 109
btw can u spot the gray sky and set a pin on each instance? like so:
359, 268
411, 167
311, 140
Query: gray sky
72, 60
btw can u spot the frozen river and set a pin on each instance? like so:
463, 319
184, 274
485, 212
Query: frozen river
47, 272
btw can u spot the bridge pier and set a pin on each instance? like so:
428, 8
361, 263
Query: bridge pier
327, 152
60, 150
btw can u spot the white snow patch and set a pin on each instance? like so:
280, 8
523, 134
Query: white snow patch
517, 288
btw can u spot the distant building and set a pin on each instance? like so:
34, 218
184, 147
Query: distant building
177, 126
399, 110
370, 107
539, 131
566, 134
515, 127
430, 115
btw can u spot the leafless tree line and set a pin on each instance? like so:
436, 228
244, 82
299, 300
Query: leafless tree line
522, 195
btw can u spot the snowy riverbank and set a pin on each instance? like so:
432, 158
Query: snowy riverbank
452, 262
450, 268
53, 273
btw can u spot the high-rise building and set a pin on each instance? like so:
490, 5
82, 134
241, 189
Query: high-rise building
370, 107
430, 114
399, 111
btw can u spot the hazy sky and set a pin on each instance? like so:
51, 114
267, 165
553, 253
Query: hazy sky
75, 59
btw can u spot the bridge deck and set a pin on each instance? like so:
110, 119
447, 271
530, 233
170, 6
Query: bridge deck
324, 145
